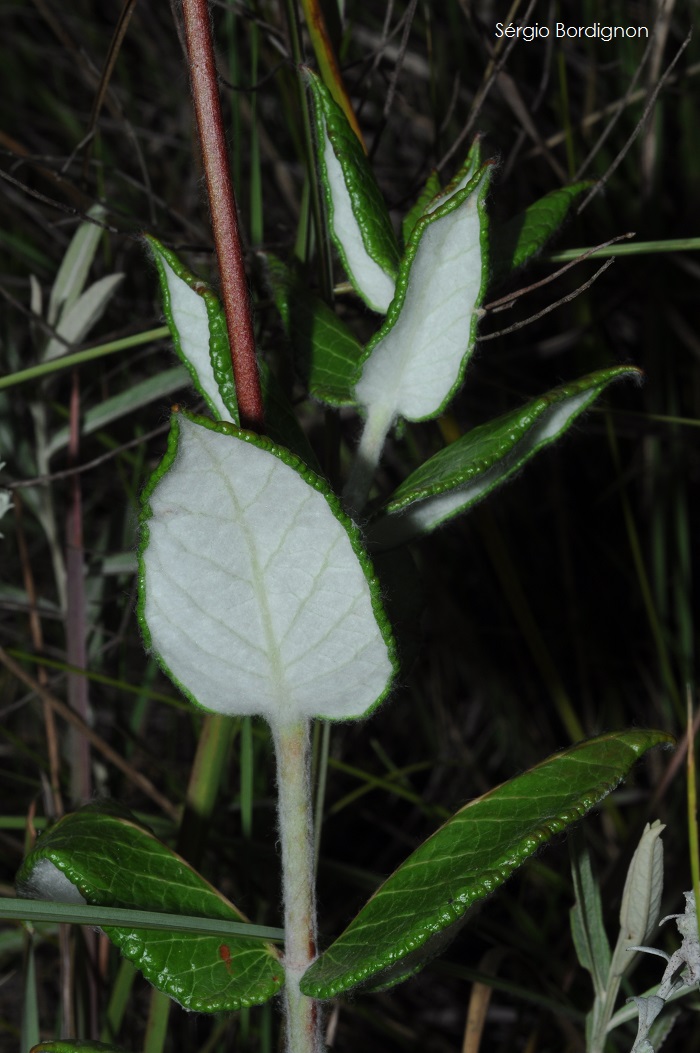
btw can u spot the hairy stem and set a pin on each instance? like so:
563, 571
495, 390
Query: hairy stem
292, 749
379, 420
234, 286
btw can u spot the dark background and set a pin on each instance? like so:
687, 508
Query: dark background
570, 591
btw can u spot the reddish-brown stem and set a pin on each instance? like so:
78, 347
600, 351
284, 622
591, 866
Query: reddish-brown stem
37, 636
76, 653
234, 286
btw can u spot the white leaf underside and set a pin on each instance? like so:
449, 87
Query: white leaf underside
374, 284
46, 881
254, 597
189, 314
413, 369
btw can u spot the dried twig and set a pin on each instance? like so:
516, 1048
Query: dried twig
540, 314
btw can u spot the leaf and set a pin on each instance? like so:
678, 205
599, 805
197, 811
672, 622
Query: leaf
641, 898
515, 242
198, 326
431, 190
648, 1009
255, 593
326, 352
359, 222
202, 343
109, 860
72, 274
590, 938
416, 361
78, 318
662, 1027
469, 469
469, 857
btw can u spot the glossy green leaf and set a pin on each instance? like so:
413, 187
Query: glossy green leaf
520, 238
106, 859
486, 457
469, 857
198, 326
255, 593
326, 352
416, 361
359, 221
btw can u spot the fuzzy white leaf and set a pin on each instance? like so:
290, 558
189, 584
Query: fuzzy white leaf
373, 283
49, 883
418, 359
358, 218
77, 320
188, 314
253, 593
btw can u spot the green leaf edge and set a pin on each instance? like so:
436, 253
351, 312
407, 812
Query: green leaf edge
404, 496
433, 191
397, 303
330, 119
493, 878
219, 351
430, 190
312, 479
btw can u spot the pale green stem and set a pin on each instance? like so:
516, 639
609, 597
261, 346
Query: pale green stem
380, 417
602, 1014
292, 749
80, 357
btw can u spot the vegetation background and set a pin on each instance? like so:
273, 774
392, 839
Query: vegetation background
561, 608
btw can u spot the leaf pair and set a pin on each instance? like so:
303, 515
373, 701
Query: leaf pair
431, 293
73, 310
111, 861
